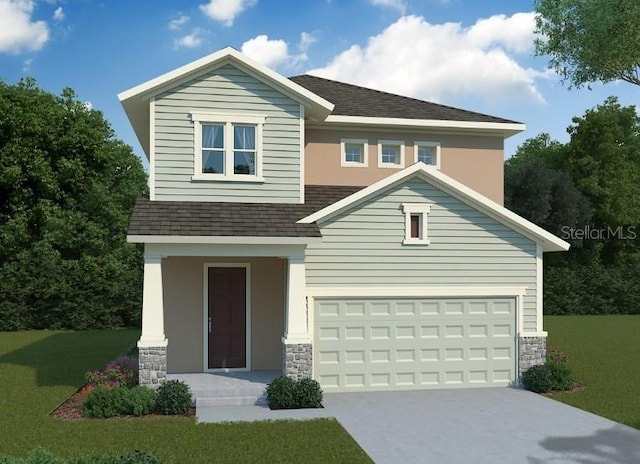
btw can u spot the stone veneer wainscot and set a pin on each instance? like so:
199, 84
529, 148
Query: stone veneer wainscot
298, 360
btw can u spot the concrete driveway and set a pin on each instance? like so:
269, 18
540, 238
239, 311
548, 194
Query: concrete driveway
497, 425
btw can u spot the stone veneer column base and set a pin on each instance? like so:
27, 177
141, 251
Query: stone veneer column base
533, 351
297, 360
152, 364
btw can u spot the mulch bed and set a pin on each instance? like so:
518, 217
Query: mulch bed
72, 407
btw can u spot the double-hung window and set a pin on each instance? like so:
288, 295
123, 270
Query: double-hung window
390, 154
354, 153
227, 147
428, 153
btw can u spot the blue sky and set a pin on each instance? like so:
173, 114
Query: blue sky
471, 54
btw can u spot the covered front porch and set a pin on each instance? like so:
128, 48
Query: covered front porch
227, 309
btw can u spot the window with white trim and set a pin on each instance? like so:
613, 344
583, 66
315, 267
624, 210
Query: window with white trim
227, 147
354, 152
415, 223
390, 154
427, 152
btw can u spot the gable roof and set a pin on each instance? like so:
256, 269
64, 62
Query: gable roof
164, 219
136, 100
433, 176
361, 105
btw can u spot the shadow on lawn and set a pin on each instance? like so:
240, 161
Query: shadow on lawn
617, 445
62, 358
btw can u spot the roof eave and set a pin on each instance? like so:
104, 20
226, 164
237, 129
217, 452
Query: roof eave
504, 129
222, 239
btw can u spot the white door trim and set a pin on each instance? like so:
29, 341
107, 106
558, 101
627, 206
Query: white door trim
205, 315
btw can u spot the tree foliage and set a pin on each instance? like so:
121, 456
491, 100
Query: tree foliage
67, 187
590, 40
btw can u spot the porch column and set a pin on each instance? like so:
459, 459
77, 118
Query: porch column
152, 346
297, 347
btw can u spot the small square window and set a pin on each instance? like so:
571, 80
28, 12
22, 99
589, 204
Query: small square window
390, 154
427, 153
353, 152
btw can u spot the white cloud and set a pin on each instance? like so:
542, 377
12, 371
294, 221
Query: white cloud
178, 22
26, 65
271, 53
58, 15
193, 40
399, 5
438, 61
18, 32
275, 52
225, 11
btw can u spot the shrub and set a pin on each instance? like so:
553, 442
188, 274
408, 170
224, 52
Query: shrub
281, 393
120, 372
309, 394
42, 456
537, 379
138, 401
286, 393
106, 402
554, 374
174, 397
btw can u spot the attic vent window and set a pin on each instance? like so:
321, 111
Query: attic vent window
227, 147
415, 215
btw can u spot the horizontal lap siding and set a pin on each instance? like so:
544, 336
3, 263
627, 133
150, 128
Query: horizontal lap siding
229, 90
363, 247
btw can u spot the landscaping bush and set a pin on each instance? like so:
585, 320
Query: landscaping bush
174, 397
42, 456
120, 372
106, 402
281, 393
554, 374
309, 394
286, 393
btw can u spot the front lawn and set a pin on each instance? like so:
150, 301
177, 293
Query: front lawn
604, 354
38, 370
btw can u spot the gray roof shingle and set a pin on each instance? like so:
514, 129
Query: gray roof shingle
199, 218
353, 100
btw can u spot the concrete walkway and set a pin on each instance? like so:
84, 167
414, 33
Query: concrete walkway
496, 425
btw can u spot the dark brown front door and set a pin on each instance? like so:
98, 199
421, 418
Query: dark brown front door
227, 317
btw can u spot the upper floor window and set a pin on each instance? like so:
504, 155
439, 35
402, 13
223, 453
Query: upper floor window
415, 223
390, 154
227, 147
354, 152
428, 153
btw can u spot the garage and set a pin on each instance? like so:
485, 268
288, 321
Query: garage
368, 344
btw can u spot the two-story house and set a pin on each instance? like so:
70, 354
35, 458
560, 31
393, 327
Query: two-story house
323, 229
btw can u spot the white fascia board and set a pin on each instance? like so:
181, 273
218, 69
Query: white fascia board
386, 292
505, 128
221, 240
432, 175
233, 54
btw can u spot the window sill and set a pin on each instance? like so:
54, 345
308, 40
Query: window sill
415, 241
221, 178
390, 166
346, 164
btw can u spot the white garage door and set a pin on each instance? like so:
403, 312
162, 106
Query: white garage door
409, 344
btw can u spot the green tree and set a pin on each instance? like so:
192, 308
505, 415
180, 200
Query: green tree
590, 40
67, 187
536, 187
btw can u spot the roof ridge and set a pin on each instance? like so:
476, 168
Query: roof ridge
399, 96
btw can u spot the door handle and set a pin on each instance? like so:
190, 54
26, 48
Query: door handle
209, 324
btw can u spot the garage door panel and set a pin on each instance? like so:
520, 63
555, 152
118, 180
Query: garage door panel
377, 344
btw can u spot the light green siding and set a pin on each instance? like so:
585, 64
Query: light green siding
228, 90
363, 247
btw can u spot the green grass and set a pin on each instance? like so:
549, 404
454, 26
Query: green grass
604, 354
38, 370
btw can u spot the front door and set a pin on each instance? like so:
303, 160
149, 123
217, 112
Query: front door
227, 320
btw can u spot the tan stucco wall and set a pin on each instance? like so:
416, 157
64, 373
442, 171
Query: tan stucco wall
183, 280
476, 161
